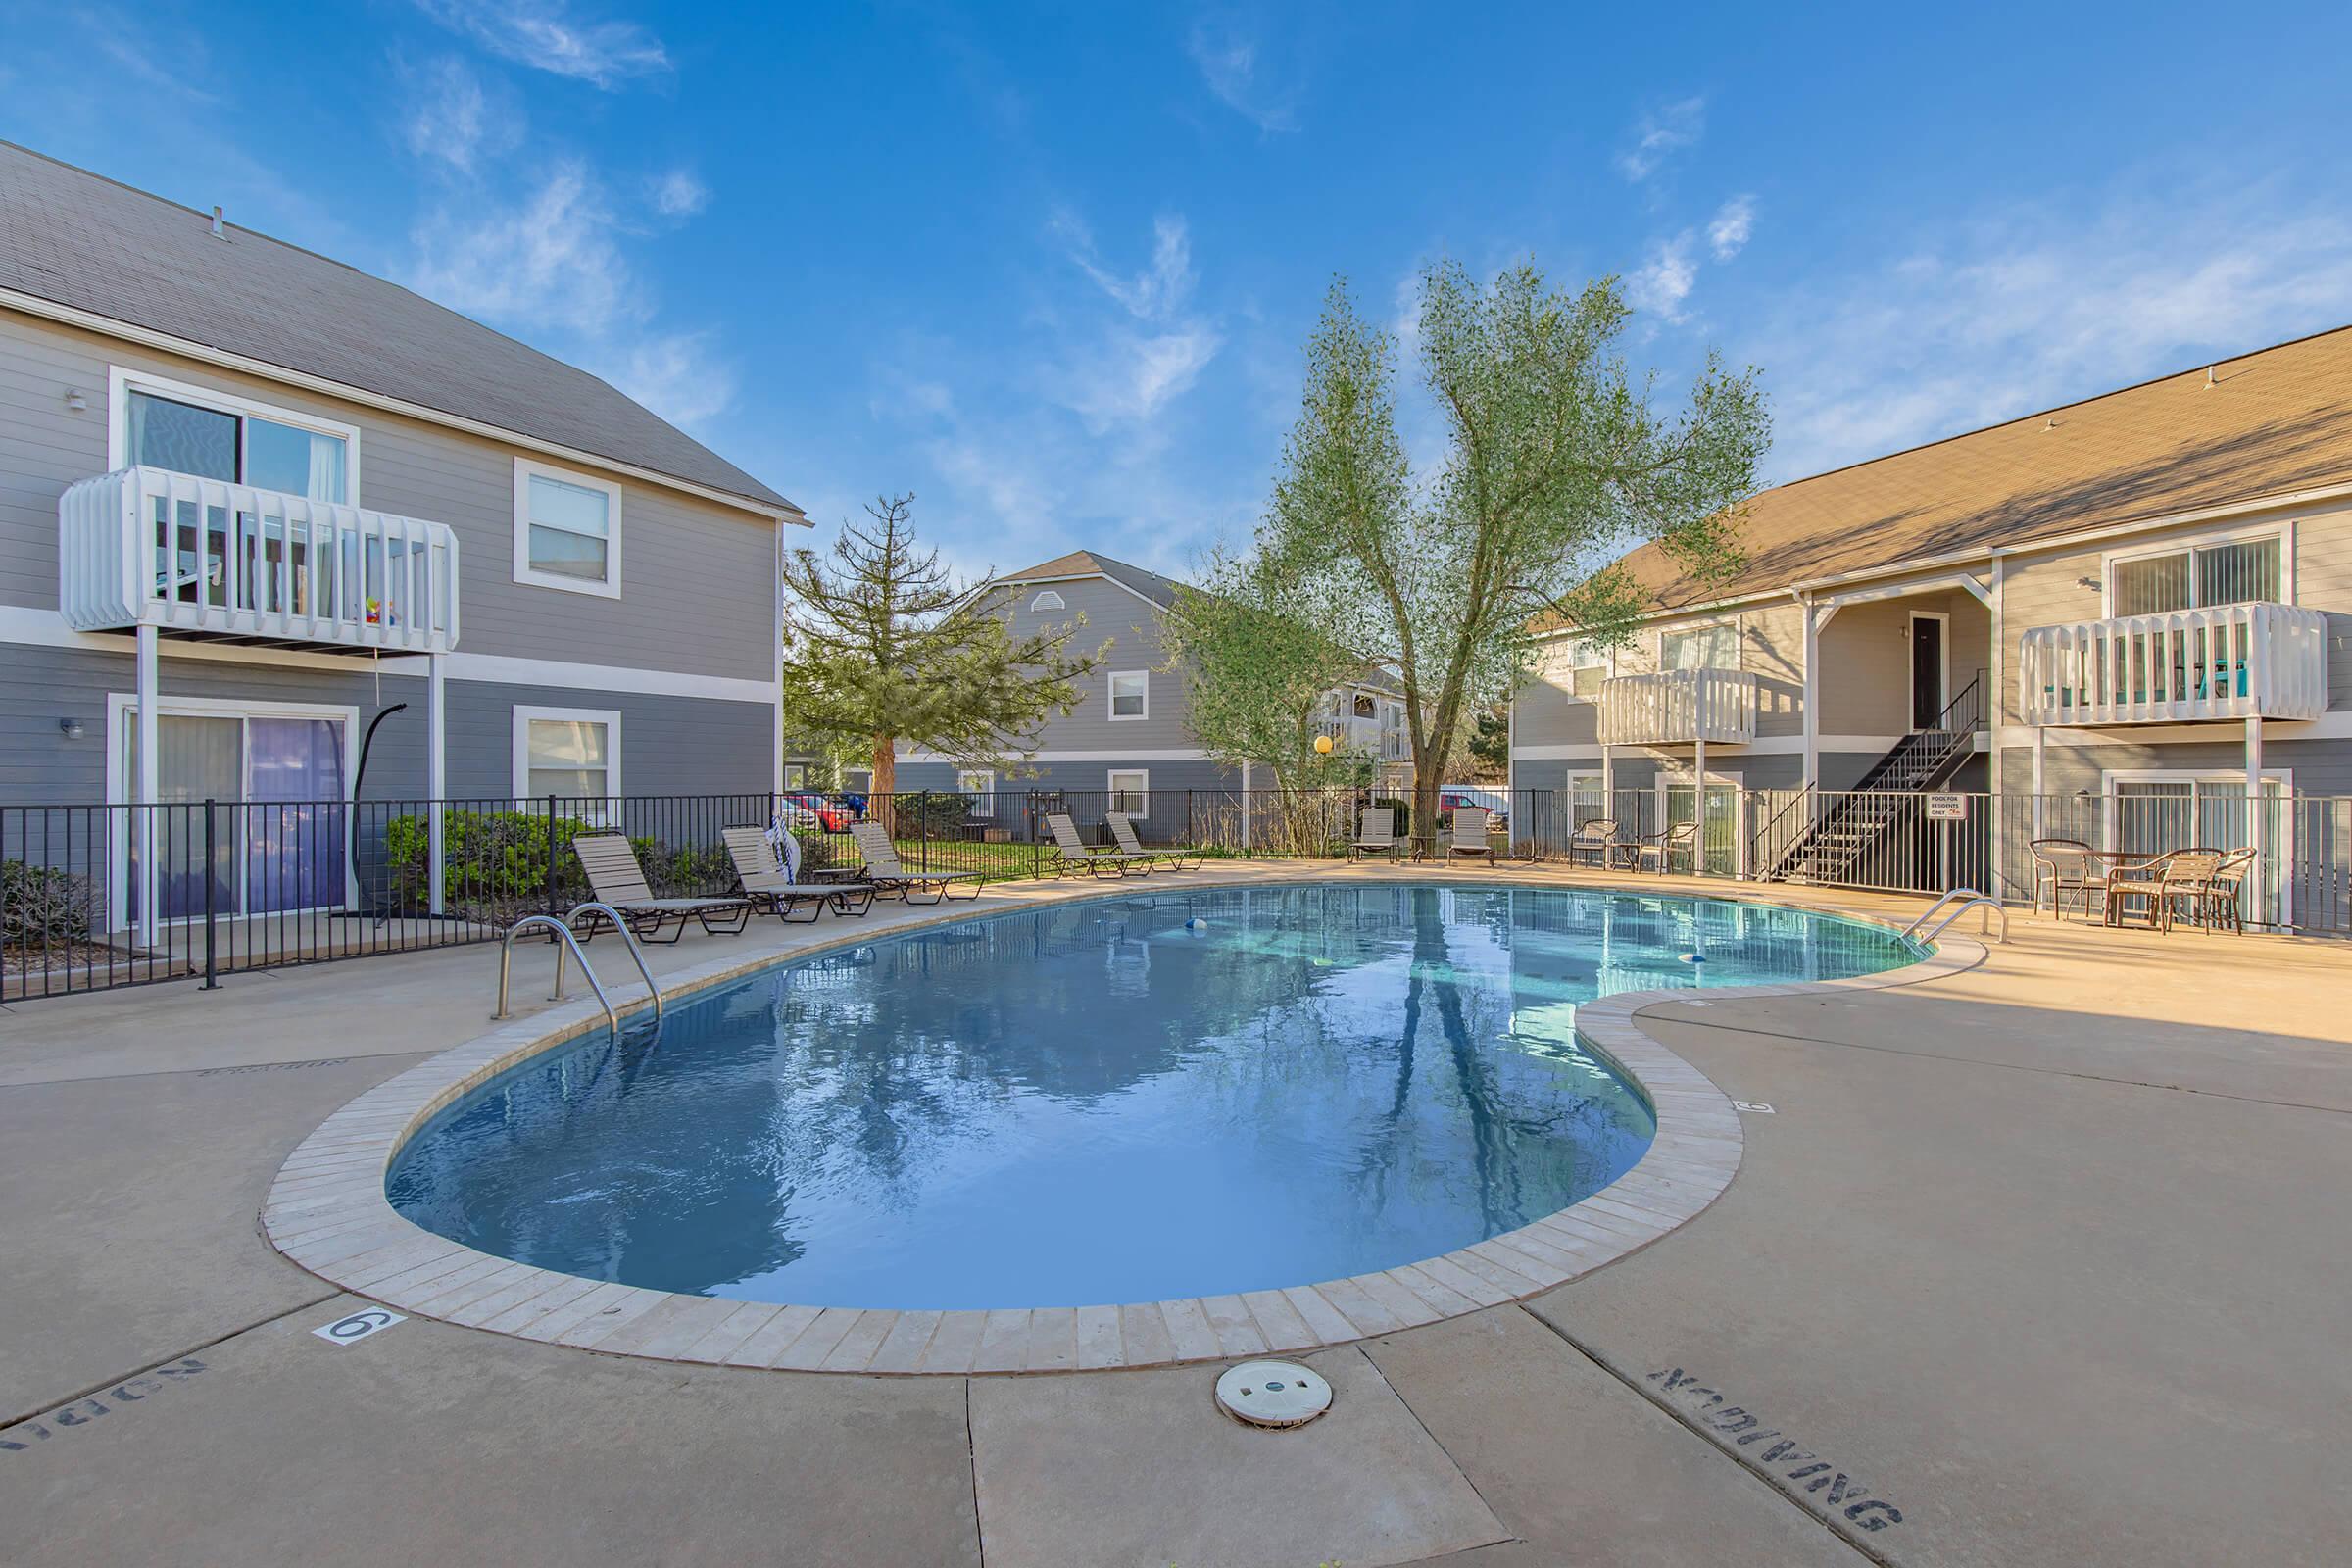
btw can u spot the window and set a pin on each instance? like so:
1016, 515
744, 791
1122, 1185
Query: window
1715, 647
218, 435
796, 776
1049, 600
570, 752
1131, 791
980, 784
1588, 668
1364, 706
566, 530
2235, 572
1130, 694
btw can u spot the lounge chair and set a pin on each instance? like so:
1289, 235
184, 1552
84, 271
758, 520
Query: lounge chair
1469, 835
617, 879
891, 879
2166, 882
773, 890
2062, 864
1122, 833
1377, 834
1074, 856
1662, 847
1597, 839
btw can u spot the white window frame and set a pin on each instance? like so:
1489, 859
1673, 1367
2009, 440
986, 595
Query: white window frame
1038, 604
122, 716
521, 776
525, 470
983, 795
1585, 654
1142, 790
122, 381
2190, 544
1111, 695
1738, 626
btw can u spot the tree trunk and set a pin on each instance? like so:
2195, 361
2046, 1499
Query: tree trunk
1426, 786
880, 802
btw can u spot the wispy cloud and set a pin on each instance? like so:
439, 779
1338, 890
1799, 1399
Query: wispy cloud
544, 35
1228, 61
1663, 283
1661, 134
1729, 230
1132, 370
678, 193
551, 261
1993, 318
452, 118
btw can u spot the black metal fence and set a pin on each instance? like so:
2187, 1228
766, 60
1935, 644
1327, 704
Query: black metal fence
93, 897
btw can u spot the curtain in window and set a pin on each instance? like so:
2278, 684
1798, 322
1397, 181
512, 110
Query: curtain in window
569, 525
1702, 648
567, 758
294, 826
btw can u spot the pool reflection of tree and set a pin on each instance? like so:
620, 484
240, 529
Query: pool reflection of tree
1417, 1037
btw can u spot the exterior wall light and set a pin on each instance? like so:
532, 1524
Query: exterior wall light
70, 728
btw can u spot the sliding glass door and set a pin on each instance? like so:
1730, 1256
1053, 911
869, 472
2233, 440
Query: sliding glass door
279, 821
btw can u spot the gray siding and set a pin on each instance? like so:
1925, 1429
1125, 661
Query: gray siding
670, 745
1127, 630
697, 577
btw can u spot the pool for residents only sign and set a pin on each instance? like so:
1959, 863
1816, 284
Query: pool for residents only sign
1948, 808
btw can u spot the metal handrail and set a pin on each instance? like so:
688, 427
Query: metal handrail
506, 956
628, 939
1969, 899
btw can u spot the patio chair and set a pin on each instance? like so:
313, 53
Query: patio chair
1376, 834
772, 888
2166, 882
2064, 864
889, 877
617, 879
1597, 839
1122, 833
1662, 847
1074, 856
1469, 835
2222, 906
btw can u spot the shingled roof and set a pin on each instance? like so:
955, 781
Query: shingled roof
2270, 424
81, 240
1086, 564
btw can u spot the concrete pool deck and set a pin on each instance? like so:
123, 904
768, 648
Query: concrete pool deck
2045, 1257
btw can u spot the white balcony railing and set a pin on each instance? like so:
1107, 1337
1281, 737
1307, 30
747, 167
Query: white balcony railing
1367, 735
2231, 661
149, 546
1678, 708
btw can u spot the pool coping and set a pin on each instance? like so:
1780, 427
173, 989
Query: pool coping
326, 1212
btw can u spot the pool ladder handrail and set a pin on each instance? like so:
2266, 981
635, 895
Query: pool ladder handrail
1969, 899
568, 940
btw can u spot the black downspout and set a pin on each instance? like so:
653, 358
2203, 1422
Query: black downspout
351, 837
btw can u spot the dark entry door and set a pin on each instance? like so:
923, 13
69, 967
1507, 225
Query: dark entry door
1926, 673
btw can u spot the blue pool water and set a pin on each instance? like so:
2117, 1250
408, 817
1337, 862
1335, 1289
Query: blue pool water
1111, 1101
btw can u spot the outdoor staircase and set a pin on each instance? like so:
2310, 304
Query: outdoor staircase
1852, 827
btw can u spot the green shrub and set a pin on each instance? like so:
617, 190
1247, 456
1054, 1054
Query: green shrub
495, 862
938, 816
41, 904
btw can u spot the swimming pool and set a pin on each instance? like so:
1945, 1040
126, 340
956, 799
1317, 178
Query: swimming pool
1103, 1101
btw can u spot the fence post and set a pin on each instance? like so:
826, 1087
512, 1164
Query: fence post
550, 858
922, 828
211, 972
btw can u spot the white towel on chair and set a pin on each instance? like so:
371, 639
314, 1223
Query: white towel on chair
786, 845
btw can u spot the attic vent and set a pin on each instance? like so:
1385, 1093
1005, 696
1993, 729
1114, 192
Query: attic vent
218, 231
1049, 600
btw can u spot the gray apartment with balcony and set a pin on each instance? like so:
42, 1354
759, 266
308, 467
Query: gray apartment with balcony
1128, 739
252, 499
2133, 612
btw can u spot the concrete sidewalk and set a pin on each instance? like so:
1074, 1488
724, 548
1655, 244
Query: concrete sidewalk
2039, 1264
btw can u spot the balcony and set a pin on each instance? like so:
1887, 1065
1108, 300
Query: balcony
2253, 660
1678, 708
1366, 735
147, 547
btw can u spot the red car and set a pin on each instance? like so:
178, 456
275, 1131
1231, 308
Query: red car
806, 811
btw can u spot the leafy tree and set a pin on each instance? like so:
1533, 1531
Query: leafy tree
1555, 458
1257, 669
881, 645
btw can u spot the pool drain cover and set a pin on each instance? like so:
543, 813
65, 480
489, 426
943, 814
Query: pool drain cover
1272, 1394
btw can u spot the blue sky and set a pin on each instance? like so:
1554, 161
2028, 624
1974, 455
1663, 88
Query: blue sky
1050, 268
